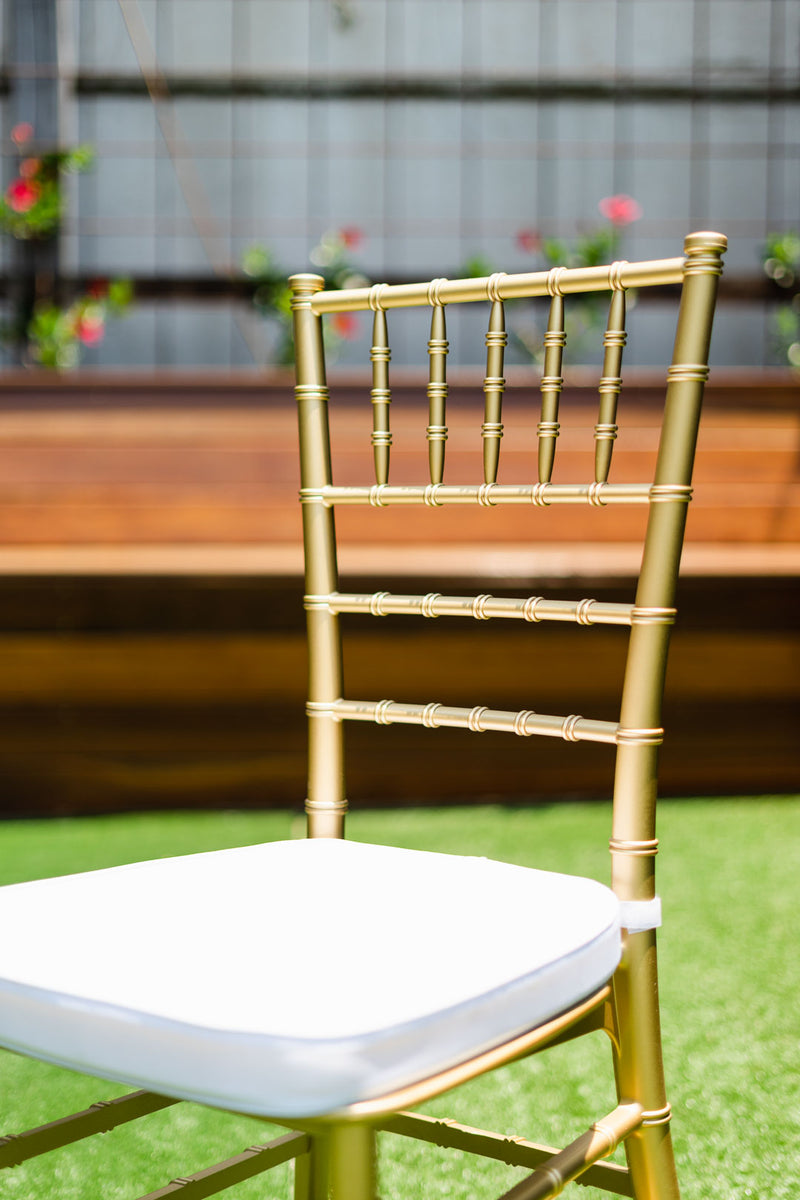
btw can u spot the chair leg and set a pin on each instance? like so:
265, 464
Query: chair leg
312, 1171
353, 1166
640, 1071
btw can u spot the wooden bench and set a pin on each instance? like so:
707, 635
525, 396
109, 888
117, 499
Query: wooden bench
150, 584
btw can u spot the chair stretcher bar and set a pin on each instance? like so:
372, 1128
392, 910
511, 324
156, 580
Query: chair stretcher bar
551, 1177
514, 1151
479, 720
253, 1161
17, 1148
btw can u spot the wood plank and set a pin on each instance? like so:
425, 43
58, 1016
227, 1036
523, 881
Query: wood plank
173, 474
150, 586
503, 667
512, 562
93, 723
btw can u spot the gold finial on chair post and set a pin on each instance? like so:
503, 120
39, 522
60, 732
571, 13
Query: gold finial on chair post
704, 252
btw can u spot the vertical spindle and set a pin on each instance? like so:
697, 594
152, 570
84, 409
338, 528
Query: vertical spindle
436, 432
493, 386
381, 396
605, 431
552, 382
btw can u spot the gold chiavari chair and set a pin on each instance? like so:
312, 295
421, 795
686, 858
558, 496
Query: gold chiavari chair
358, 1006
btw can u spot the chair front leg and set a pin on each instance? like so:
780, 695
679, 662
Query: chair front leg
640, 1072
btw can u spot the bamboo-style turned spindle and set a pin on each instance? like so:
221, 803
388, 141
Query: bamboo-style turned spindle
605, 431
554, 341
436, 432
381, 396
493, 386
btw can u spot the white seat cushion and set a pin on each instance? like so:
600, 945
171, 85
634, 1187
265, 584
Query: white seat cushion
293, 978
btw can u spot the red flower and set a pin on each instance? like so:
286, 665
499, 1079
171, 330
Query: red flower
345, 325
529, 240
21, 133
29, 167
351, 236
90, 329
22, 195
621, 209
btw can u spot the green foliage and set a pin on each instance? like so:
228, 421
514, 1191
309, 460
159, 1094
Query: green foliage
272, 296
730, 976
781, 260
584, 315
49, 333
33, 205
590, 250
476, 267
55, 334
782, 257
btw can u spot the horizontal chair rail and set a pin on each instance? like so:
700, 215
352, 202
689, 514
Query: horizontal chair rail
489, 495
559, 281
480, 719
514, 1151
485, 607
17, 1148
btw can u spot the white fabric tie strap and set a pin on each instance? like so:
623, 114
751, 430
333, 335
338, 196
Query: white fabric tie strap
638, 915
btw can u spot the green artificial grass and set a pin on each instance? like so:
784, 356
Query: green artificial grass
728, 873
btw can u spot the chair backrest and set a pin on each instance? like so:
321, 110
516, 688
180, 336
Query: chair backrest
638, 732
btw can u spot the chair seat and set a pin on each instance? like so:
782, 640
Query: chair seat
294, 978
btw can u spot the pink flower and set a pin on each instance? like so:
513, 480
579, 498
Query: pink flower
346, 325
22, 195
621, 209
29, 167
90, 330
351, 236
529, 240
21, 133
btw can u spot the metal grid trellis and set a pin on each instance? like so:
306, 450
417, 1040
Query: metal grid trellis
441, 130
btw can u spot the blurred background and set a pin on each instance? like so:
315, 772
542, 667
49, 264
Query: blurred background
166, 163
427, 132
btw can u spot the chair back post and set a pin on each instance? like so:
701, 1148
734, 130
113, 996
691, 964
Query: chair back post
325, 803
633, 841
